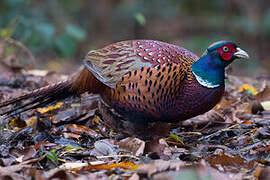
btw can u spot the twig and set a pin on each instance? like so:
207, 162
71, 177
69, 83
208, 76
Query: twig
218, 132
113, 156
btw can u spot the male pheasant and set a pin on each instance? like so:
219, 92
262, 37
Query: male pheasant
145, 80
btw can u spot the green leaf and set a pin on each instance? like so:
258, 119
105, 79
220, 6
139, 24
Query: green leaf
75, 32
53, 157
56, 149
7, 32
265, 25
176, 138
70, 147
45, 30
140, 18
10, 50
65, 45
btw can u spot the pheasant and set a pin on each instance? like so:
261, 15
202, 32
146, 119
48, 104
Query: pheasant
145, 80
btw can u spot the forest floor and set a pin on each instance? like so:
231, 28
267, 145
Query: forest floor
70, 139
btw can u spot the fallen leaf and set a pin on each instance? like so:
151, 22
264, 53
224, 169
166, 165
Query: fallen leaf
243, 108
262, 132
224, 103
265, 105
105, 147
73, 165
80, 129
38, 145
256, 107
160, 166
134, 176
248, 88
228, 163
176, 138
58, 174
160, 147
125, 165
53, 157
264, 174
94, 163
31, 121
17, 122
37, 72
263, 95
50, 108
19, 159
258, 171
134, 145
71, 135
18, 167
199, 172
24, 154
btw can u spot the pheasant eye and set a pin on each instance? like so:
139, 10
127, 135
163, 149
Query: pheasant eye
225, 49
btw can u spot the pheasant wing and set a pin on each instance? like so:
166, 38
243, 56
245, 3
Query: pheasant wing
112, 62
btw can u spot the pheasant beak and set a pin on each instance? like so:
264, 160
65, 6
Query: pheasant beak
241, 53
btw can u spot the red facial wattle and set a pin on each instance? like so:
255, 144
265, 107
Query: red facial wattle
226, 55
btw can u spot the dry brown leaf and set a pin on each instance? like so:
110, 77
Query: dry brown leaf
262, 132
264, 95
31, 121
200, 171
18, 167
10, 176
224, 103
258, 171
34, 174
58, 174
134, 145
80, 129
264, 174
208, 117
160, 166
24, 154
125, 165
134, 176
256, 107
159, 146
228, 163
38, 145
243, 108
203, 170
71, 135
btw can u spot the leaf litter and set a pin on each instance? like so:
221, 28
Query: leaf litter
78, 138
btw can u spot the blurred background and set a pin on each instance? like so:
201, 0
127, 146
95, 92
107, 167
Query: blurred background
59, 33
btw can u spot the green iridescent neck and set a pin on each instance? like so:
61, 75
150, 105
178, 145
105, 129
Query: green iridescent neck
209, 70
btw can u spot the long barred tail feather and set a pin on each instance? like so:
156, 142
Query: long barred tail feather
40, 97
83, 81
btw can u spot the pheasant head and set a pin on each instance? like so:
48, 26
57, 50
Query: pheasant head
209, 70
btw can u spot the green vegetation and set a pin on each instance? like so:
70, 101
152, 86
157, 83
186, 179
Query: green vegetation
65, 28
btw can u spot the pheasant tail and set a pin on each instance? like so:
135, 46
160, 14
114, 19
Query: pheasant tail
85, 81
79, 84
